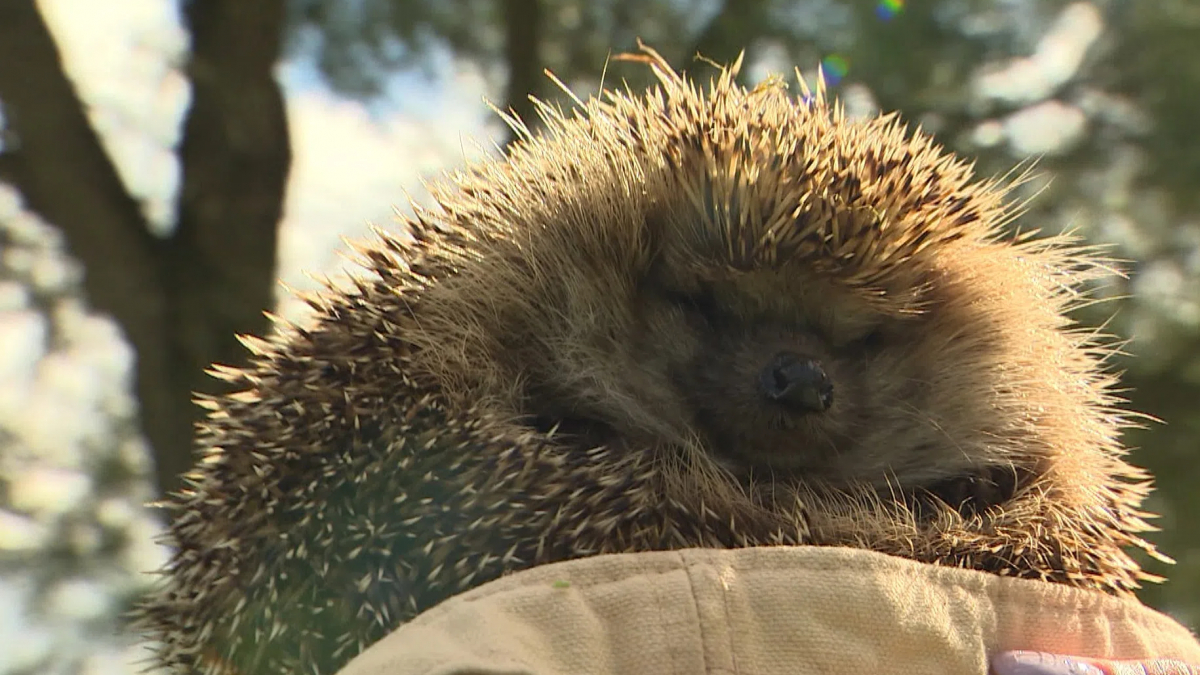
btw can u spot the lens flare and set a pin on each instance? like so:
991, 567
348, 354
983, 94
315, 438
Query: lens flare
888, 9
834, 67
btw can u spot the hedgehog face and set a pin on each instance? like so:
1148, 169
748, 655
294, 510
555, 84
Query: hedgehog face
784, 391
772, 290
783, 372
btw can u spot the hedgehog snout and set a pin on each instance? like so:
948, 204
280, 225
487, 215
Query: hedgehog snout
796, 382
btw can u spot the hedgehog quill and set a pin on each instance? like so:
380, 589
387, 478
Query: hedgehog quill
697, 317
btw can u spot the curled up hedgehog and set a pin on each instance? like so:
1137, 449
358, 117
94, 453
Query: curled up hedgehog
696, 317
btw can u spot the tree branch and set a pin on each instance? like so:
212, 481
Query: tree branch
65, 176
180, 301
235, 159
9, 168
523, 33
731, 30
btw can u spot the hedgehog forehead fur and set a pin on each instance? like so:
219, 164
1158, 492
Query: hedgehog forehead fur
696, 317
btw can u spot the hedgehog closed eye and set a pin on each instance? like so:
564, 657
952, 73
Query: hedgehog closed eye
706, 316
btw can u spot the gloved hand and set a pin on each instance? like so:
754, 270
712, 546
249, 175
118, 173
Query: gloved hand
1040, 663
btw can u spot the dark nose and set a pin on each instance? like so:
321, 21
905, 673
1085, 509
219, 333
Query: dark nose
797, 382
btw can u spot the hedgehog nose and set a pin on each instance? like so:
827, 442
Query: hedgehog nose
797, 382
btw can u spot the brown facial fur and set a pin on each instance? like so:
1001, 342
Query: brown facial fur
564, 359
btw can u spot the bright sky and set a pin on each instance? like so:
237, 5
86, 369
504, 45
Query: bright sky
352, 163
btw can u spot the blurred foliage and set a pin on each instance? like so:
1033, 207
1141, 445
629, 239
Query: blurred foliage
359, 44
1170, 452
1157, 59
921, 62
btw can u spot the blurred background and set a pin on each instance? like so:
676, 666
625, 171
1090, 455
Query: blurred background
163, 162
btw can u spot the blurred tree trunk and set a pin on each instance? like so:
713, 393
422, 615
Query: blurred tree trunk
732, 29
1168, 450
523, 34
180, 300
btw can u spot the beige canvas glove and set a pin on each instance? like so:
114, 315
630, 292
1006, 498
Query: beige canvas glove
764, 611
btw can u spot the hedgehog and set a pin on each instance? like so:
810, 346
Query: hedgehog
703, 315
